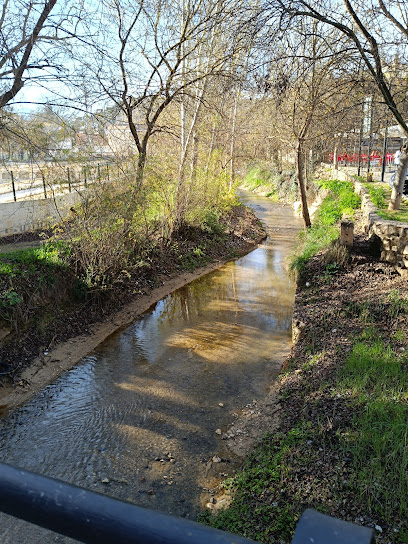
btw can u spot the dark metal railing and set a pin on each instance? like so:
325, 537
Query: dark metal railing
97, 519
94, 518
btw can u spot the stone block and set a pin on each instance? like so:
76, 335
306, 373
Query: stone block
386, 244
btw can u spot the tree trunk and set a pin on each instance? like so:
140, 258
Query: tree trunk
301, 181
232, 147
398, 188
141, 163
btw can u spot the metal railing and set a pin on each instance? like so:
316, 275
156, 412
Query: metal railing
93, 518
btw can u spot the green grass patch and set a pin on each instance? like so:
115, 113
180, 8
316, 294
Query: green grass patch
376, 379
50, 254
260, 509
341, 201
395, 215
380, 197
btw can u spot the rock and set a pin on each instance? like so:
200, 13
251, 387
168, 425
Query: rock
221, 404
105, 481
150, 492
218, 431
378, 528
216, 459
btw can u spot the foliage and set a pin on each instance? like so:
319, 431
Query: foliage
310, 242
378, 195
340, 201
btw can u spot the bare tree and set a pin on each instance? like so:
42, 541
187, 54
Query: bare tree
145, 57
374, 31
28, 32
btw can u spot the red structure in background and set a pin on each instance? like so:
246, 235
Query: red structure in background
352, 159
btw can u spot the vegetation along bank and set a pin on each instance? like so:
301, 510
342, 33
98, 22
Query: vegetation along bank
100, 262
341, 446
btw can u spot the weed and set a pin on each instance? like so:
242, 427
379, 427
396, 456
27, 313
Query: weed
330, 270
399, 336
9, 298
336, 254
397, 304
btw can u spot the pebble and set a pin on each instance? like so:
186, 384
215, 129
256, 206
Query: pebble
221, 404
105, 481
216, 459
218, 431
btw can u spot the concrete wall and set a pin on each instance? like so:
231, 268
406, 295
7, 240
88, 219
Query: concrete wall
28, 215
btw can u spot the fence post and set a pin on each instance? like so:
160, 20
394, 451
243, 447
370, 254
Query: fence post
347, 233
85, 180
43, 180
384, 153
13, 186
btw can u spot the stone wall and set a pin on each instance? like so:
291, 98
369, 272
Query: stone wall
393, 234
28, 215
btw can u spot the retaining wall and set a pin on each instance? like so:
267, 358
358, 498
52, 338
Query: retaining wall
33, 214
393, 234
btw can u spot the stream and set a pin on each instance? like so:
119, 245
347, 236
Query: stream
137, 418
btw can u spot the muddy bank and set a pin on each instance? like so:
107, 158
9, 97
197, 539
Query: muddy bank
43, 357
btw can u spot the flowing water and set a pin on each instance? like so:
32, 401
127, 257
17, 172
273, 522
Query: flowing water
136, 419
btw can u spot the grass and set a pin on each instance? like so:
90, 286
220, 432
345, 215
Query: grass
376, 380
341, 201
259, 510
380, 197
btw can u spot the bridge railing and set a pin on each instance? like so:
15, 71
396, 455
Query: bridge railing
93, 518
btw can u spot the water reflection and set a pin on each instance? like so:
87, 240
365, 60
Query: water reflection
137, 418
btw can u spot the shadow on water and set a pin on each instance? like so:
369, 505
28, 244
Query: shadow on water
136, 419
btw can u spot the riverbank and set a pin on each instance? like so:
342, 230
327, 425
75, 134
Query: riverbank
340, 443
59, 335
